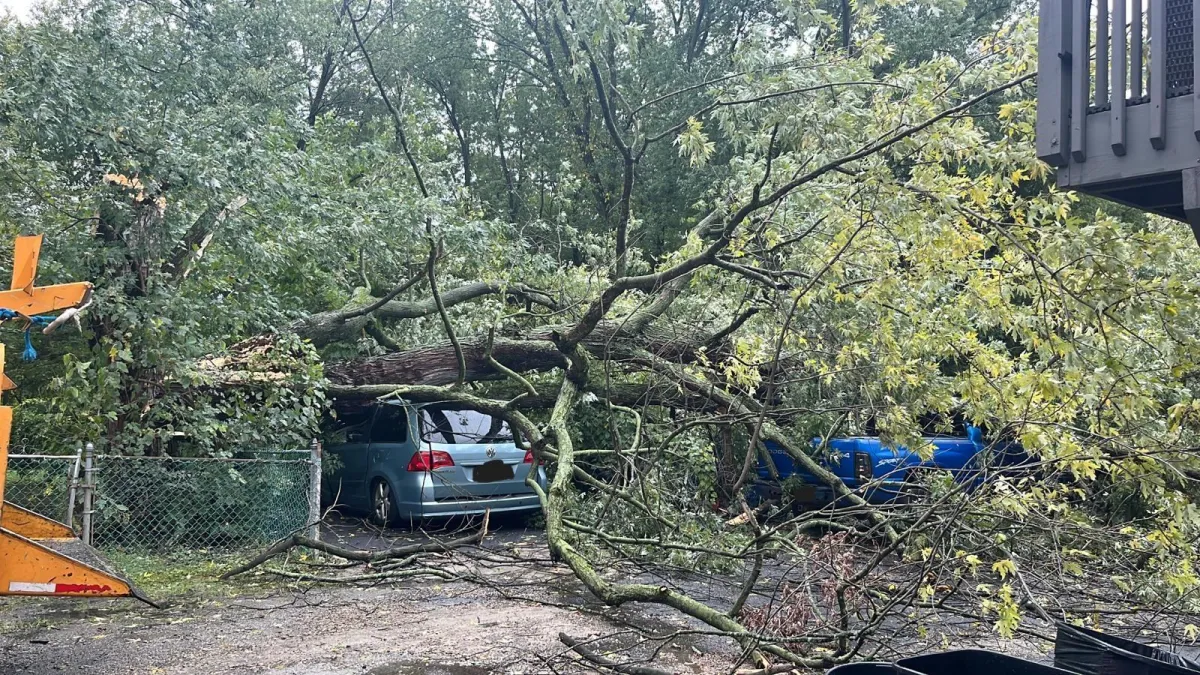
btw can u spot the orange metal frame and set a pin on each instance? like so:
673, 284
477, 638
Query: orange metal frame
33, 555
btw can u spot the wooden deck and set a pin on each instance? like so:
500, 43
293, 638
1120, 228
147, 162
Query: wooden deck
1131, 70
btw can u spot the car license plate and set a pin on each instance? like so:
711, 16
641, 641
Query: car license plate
493, 471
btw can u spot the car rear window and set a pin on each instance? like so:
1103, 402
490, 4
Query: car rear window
447, 425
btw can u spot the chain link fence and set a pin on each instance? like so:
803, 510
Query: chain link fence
42, 483
162, 504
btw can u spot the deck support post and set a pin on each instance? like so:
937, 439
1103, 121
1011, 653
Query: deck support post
1054, 82
1191, 198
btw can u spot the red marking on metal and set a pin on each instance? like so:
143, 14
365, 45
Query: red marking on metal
81, 588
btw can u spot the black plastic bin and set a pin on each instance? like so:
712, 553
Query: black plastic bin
973, 662
1088, 652
862, 668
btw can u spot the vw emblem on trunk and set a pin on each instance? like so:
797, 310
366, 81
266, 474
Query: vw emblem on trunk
490, 451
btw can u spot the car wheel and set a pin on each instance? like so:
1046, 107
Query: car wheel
383, 503
916, 484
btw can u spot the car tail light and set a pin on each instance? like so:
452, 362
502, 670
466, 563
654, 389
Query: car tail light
862, 467
428, 460
528, 457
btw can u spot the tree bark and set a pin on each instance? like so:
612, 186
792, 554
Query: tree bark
536, 352
437, 364
325, 328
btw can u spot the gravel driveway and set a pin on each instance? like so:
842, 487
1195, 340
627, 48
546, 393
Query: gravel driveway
509, 624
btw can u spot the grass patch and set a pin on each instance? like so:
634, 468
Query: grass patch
196, 573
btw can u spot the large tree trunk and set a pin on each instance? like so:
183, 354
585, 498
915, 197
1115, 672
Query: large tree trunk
437, 364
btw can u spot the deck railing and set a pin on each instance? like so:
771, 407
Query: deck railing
1099, 58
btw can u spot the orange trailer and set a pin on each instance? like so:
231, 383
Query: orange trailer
40, 556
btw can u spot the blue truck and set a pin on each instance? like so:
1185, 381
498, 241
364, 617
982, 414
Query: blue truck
882, 474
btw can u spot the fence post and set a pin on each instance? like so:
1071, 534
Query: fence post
73, 486
89, 489
314, 489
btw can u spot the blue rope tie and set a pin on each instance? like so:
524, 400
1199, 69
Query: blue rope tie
30, 353
8, 315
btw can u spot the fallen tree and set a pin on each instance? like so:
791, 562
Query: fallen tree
653, 239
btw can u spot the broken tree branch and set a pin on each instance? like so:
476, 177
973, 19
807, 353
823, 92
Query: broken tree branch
431, 273
196, 240
284, 545
380, 576
576, 646
324, 328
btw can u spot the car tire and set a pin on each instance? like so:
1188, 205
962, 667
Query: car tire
383, 503
915, 486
